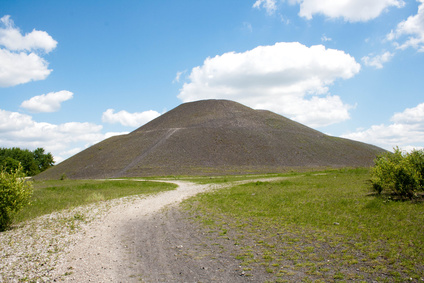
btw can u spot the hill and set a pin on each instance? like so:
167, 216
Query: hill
213, 137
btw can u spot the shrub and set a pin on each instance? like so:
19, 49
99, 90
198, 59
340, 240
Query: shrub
399, 173
15, 193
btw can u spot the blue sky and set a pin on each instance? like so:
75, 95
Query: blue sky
73, 73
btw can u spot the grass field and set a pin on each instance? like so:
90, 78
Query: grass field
55, 195
318, 226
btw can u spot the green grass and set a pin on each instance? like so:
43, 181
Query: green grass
320, 226
55, 195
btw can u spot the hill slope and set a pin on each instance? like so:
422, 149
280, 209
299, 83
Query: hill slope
213, 137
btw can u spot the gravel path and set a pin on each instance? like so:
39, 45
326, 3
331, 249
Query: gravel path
123, 240
100, 255
83, 244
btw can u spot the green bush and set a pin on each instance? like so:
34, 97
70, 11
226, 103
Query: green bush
398, 173
15, 193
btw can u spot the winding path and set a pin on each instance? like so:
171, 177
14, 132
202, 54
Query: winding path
134, 243
100, 256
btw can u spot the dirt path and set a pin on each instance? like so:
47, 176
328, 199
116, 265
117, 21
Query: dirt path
102, 254
139, 241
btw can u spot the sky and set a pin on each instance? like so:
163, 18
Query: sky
73, 73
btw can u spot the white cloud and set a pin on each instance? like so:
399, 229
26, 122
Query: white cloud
413, 29
378, 60
349, 10
288, 78
12, 39
49, 102
269, 5
410, 116
20, 130
406, 131
20, 68
19, 62
129, 119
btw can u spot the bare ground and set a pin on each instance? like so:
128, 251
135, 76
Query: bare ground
107, 251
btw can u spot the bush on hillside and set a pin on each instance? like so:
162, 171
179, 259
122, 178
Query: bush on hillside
399, 173
15, 193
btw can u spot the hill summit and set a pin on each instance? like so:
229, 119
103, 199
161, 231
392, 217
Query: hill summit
214, 137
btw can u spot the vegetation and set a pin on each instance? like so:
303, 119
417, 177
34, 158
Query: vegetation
15, 193
399, 174
55, 195
318, 227
33, 162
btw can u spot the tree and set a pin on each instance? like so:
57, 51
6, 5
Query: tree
33, 162
15, 193
43, 160
399, 173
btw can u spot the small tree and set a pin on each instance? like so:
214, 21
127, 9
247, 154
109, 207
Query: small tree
15, 193
399, 173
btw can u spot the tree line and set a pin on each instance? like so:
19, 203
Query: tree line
32, 162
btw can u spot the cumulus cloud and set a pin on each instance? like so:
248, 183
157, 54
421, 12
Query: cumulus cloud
125, 118
49, 102
413, 29
288, 78
406, 131
12, 39
377, 61
19, 61
410, 116
20, 130
20, 68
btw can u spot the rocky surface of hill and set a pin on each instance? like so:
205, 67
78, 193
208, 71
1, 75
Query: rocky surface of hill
214, 137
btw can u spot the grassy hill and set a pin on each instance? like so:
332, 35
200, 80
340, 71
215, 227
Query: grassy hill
214, 137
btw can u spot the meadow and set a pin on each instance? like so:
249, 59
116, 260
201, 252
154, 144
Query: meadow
316, 227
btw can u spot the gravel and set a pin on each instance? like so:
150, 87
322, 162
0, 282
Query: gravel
32, 250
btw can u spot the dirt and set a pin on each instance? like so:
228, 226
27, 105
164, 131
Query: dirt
150, 240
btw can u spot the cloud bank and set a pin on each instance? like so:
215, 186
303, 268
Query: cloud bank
49, 102
288, 78
19, 59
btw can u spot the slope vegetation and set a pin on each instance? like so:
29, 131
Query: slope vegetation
214, 137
